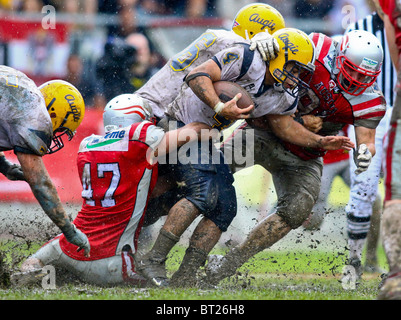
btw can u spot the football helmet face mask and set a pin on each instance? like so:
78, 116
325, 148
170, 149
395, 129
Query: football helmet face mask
359, 61
294, 66
124, 110
255, 18
66, 108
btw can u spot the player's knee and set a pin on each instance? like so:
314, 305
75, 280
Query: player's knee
296, 209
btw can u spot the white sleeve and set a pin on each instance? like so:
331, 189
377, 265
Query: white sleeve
154, 136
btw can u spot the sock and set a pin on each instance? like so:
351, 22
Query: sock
355, 248
163, 244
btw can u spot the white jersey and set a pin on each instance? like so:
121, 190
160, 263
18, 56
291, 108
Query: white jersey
246, 68
25, 124
165, 85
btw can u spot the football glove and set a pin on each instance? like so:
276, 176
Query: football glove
77, 237
266, 44
10, 170
362, 159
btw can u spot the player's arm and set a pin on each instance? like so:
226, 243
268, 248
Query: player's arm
365, 150
201, 79
10, 170
45, 192
174, 139
284, 127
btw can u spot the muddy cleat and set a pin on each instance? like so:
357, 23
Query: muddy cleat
153, 269
26, 278
352, 273
391, 289
221, 267
214, 262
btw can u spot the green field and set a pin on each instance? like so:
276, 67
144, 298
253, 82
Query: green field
271, 275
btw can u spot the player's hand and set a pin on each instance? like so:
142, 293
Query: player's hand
336, 142
231, 110
312, 123
266, 44
362, 158
10, 170
78, 238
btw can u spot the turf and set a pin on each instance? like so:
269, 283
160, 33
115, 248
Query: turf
271, 275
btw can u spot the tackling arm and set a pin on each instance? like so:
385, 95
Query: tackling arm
45, 192
291, 131
174, 139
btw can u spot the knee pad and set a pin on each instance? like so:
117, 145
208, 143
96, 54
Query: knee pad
296, 208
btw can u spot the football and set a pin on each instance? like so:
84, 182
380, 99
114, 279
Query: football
226, 90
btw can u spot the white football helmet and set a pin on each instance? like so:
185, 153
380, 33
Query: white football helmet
124, 110
359, 61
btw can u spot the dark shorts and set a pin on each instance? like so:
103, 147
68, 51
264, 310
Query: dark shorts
207, 181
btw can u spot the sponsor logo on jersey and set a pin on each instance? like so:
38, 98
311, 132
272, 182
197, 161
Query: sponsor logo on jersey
265, 23
109, 138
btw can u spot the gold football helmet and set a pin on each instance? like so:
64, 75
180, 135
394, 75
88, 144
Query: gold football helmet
295, 60
66, 108
255, 18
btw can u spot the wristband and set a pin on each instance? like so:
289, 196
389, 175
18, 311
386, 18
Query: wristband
218, 107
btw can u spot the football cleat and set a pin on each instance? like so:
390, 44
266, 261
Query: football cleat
27, 278
153, 269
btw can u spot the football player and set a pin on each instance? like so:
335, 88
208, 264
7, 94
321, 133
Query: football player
33, 123
253, 25
118, 172
209, 191
341, 92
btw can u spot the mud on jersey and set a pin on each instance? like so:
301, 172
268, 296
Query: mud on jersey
244, 67
337, 108
25, 124
117, 181
164, 86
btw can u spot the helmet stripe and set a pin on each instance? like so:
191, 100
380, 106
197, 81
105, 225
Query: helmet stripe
135, 106
137, 112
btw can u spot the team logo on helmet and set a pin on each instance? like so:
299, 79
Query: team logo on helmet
264, 22
255, 18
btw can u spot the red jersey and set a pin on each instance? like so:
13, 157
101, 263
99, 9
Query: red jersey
392, 8
117, 181
333, 156
336, 107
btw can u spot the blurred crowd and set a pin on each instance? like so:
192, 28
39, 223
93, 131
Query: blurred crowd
321, 9
110, 74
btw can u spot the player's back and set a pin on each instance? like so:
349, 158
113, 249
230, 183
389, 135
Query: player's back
24, 121
117, 181
165, 85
